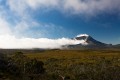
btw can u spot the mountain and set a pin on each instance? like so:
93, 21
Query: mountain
117, 46
87, 42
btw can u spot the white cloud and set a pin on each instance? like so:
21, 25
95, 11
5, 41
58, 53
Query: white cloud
42, 3
90, 7
4, 27
11, 42
21, 28
18, 6
26, 28
21, 24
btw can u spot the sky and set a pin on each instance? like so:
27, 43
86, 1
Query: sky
58, 19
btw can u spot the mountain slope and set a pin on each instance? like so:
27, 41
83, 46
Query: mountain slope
88, 42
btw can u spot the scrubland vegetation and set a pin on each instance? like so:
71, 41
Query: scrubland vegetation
56, 64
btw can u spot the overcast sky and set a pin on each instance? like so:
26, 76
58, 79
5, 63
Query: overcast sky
53, 19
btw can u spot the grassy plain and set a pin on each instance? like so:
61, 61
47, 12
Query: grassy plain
80, 64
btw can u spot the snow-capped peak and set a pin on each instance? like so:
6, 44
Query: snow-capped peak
81, 35
82, 38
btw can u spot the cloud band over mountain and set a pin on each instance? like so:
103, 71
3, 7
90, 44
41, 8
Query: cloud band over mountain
11, 42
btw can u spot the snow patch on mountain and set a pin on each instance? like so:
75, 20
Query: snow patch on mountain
81, 35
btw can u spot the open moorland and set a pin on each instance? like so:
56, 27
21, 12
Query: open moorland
62, 65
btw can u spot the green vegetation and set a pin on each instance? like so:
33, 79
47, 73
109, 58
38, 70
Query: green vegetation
19, 67
56, 64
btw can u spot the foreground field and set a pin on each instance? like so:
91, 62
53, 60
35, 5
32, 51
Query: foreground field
80, 64
59, 65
